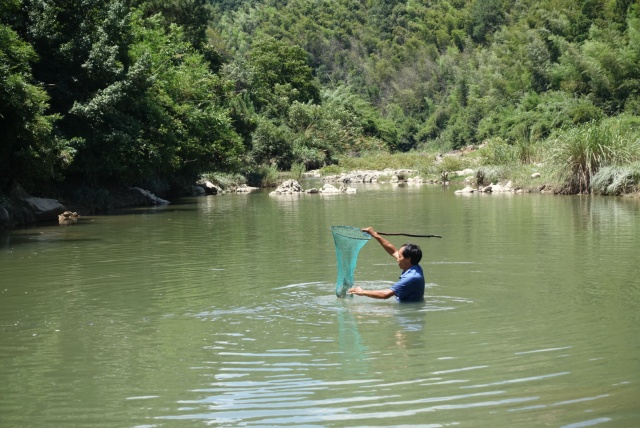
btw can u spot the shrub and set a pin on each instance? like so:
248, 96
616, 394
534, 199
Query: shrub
268, 176
271, 144
497, 152
486, 175
97, 199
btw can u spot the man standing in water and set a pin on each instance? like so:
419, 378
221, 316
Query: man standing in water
410, 288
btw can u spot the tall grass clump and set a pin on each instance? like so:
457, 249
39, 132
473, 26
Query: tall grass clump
448, 163
616, 180
579, 153
297, 170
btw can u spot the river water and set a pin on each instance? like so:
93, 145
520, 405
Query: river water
220, 311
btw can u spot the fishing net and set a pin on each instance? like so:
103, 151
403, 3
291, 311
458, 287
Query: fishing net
348, 240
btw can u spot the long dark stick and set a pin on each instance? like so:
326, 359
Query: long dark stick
408, 234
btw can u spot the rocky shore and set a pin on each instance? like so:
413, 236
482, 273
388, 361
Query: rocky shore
24, 209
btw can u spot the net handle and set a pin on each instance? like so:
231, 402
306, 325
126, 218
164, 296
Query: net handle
408, 234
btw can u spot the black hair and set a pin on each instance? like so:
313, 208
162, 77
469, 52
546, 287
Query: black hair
412, 252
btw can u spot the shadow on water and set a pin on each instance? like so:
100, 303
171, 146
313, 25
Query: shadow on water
52, 231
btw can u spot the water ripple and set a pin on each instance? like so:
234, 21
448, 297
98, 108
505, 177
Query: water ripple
510, 381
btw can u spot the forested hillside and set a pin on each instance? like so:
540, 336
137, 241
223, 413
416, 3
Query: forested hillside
155, 93
452, 73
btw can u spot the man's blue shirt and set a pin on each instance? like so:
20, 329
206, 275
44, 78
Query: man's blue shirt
410, 288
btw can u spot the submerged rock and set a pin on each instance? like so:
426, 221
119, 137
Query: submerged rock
68, 217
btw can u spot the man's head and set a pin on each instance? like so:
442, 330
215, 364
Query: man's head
413, 252
408, 255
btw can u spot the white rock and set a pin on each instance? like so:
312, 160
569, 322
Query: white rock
467, 189
329, 188
288, 187
246, 189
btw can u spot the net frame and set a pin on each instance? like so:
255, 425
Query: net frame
348, 241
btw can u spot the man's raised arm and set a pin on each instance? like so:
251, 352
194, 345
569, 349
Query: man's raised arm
388, 246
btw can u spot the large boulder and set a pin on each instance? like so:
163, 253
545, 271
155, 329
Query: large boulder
27, 209
208, 187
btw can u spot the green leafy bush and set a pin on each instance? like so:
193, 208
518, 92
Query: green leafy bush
269, 175
497, 151
486, 175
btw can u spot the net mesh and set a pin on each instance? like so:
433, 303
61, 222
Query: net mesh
348, 240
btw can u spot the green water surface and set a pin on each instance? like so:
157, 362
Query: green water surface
221, 311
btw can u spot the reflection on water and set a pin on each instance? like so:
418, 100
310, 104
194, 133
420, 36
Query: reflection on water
221, 311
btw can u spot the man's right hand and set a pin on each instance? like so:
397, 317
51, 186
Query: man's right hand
388, 246
369, 230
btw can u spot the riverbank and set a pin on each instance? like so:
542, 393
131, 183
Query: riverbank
474, 167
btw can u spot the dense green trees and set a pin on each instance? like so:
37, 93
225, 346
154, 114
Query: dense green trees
134, 100
132, 92
27, 146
